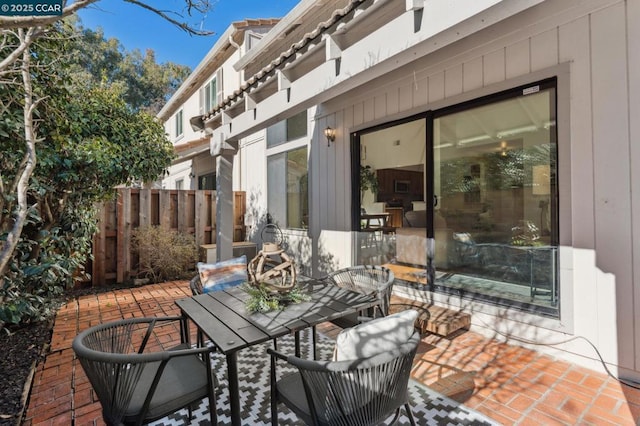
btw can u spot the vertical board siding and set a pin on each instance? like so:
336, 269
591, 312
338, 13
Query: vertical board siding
114, 260
472, 76
420, 91
518, 58
392, 100
612, 173
574, 46
343, 177
380, 106
453, 81
494, 67
544, 50
633, 31
597, 173
436, 87
405, 100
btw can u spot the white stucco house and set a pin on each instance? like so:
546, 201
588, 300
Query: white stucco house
212, 80
504, 138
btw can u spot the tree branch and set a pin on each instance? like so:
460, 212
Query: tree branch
9, 245
8, 22
18, 51
182, 25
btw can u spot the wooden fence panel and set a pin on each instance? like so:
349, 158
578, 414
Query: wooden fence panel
190, 211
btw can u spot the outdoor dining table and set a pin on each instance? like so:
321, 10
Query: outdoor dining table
224, 319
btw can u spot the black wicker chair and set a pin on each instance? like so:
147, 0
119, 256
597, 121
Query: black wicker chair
354, 392
196, 285
366, 279
136, 385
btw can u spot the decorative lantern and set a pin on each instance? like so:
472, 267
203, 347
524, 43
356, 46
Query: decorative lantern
273, 268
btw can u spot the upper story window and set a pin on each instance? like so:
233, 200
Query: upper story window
210, 90
179, 123
211, 93
287, 130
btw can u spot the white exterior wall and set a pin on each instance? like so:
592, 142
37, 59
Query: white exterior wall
592, 47
203, 163
250, 175
190, 108
177, 172
331, 250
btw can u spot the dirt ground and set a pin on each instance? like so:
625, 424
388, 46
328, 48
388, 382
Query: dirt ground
20, 351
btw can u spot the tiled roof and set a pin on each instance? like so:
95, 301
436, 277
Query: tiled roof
211, 62
269, 69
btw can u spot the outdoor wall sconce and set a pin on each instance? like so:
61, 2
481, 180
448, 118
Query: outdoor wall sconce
330, 134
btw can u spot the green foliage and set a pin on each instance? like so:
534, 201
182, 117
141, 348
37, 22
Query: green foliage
511, 169
44, 264
526, 233
368, 179
263, 300
90, 141
143, 83
101, 143
165, 254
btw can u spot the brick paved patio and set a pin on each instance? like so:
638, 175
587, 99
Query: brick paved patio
509, 384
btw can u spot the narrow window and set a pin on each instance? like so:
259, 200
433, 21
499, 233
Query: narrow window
210, 95
179, 123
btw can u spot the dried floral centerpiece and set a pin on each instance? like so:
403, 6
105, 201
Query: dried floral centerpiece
273, 268
272, 280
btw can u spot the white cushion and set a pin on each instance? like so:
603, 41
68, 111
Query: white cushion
222, 275
376, 336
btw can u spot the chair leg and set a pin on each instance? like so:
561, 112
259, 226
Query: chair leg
212, 384
395, 417
407, 408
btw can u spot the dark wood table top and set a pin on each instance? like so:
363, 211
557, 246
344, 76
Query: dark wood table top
223, 318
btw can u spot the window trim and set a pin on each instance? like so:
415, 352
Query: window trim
213, 95
563, 322
179, 124
283, 149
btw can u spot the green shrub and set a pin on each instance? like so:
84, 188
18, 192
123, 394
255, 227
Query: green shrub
45, 263
165, 254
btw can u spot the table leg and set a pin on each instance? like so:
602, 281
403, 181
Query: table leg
234, 392
314, 335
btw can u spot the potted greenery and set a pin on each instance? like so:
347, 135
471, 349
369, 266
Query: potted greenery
368, 181
262, 298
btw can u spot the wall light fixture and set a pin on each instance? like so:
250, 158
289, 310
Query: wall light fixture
330, 134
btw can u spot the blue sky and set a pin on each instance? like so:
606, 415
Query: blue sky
141, 29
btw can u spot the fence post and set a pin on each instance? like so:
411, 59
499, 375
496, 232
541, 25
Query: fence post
123, 235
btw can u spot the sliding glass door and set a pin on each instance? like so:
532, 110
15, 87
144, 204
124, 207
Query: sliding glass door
464, 199
494, 163
391, 218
